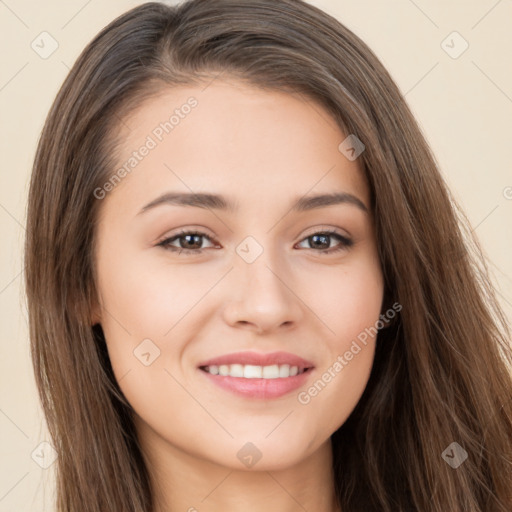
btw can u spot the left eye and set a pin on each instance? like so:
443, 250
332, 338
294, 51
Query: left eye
190, 242
323, 238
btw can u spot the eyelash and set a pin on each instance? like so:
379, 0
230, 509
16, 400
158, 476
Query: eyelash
345, 243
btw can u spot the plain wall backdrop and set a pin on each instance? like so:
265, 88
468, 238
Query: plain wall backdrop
451, 59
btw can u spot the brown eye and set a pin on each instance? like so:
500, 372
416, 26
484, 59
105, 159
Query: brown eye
189, 241
321, 240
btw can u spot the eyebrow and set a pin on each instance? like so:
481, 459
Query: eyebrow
219, 202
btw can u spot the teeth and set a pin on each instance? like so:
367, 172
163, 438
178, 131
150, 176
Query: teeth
270, 372
236, 370
249, 371
252, 372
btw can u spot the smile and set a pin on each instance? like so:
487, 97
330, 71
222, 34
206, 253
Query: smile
249, 371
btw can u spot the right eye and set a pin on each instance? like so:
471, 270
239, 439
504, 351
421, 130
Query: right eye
191, 238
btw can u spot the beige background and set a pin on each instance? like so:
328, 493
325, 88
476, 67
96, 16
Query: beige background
464, 106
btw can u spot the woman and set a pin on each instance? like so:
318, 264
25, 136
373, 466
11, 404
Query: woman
261, 371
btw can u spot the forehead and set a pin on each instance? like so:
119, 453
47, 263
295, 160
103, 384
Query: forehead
232, 138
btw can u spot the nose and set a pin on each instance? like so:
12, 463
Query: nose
264, 296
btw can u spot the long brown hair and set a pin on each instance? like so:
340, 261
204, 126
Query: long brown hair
442, 371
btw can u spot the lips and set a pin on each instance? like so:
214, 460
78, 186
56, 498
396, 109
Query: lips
265, 376
259, 359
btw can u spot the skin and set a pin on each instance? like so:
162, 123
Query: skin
263, 150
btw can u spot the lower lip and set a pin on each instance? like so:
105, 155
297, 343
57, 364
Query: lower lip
259, 388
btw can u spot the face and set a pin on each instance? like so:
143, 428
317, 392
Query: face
241, 316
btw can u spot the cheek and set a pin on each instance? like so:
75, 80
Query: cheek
143, 303
346, 299
149, 298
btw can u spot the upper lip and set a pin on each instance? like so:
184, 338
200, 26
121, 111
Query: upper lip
259, 359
